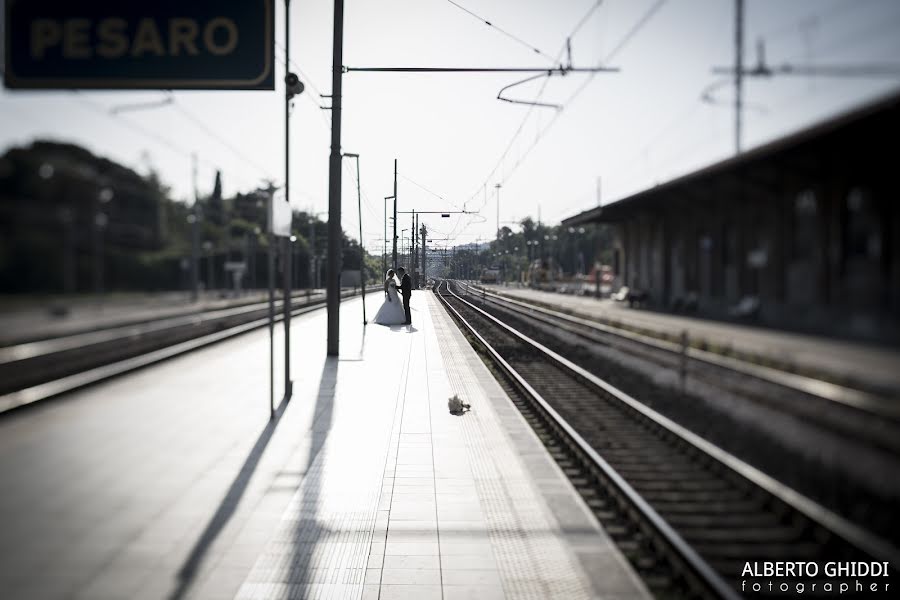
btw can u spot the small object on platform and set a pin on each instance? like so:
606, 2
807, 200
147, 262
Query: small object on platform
457, 406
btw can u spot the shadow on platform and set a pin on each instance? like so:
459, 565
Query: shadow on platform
321, 424
314, 478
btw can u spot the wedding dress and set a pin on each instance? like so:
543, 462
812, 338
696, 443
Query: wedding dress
391, 312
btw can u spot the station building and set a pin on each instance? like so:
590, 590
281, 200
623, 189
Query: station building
803, 232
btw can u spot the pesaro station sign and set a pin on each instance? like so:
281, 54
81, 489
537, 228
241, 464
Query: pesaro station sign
139, 44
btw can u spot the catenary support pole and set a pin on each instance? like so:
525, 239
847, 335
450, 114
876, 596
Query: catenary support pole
394, 259
424, 248
333, 275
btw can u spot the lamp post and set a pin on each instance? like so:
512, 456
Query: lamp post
384, 245
207, 247
67, 218
101, 220
362, 252
254, 245
394, 261
497, 187
554, 248
313, 255
193, 220
402, 237
100, 223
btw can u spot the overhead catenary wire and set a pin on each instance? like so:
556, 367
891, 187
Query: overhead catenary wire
159, 139
296, 67
315, 104
228, 145
509, 35
620, 45
683, 117
435, 194
581, 22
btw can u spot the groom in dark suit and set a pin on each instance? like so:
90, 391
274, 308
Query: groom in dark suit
405, 288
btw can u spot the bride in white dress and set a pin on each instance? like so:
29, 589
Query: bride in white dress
391, 312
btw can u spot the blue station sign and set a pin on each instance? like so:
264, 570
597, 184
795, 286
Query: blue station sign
140, 44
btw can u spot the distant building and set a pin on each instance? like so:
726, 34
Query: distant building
803, 232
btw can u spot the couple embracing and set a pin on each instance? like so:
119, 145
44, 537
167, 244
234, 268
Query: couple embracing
392, 312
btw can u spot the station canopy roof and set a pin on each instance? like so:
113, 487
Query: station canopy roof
879, 115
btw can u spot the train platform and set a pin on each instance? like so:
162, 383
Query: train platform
44, 317
172, 481
862, 364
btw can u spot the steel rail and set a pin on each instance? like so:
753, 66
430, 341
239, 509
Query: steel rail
696, 563
853, 534
70, 341
857, 399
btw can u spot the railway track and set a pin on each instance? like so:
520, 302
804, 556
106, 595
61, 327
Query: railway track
687, 514
37, 370
858, 414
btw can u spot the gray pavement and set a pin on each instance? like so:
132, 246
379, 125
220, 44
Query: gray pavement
171, 482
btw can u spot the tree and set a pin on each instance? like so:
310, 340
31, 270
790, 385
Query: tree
215, 207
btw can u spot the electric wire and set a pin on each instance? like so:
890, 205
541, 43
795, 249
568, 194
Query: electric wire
509, 35
228, 145
644, 19
584, 19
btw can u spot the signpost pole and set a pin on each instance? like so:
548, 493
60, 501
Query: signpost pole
271, 274
286, 261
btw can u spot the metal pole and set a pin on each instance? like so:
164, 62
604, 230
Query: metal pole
362, 252
251, 260
498, 214
416, 250
313, 280
412, 245
424, 247
286, 260
195, 236
99, 222
287, 270
333, 291
384, 242
271, 275
394, 260
69, 266
738, 71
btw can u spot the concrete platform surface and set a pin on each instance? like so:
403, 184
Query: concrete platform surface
865, 363
172, 482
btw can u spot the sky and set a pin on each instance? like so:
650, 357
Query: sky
618, 132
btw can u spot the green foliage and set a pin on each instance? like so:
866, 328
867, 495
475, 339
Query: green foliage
570, 251
51, 194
